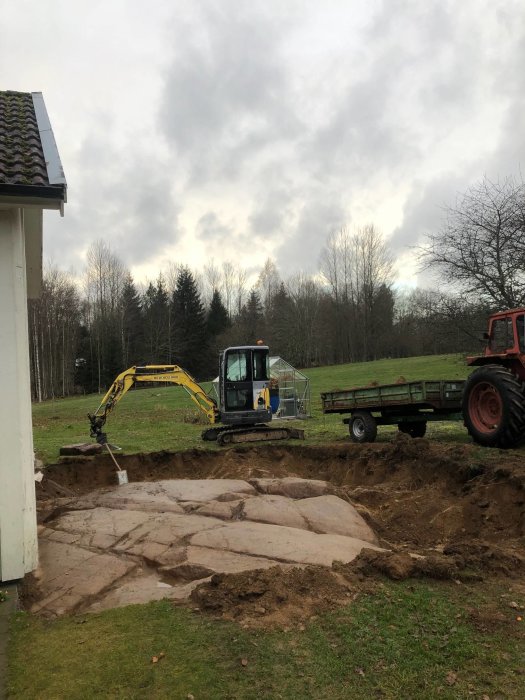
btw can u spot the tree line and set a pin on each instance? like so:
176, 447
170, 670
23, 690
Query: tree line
83, 334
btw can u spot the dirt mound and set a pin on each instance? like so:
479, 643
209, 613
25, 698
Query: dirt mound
399, 566
279, 597
488, 558
273, 597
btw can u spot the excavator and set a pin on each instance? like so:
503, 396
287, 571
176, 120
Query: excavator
242, 412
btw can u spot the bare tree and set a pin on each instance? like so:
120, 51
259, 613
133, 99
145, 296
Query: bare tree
268, 282
373, 266
104, 281
53, 329
228, 286
241, 281
105, 276
170, 274
212, 281
305, 342
357, 268
481, 245
337, 263
430, 321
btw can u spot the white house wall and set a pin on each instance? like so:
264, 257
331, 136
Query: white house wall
18, 535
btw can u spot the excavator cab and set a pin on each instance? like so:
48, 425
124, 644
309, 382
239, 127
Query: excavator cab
243, 385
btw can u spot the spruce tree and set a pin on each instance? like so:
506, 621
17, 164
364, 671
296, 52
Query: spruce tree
280, 323
217, 319
217, 322
252, 319
190, 343
132, 328
156, 323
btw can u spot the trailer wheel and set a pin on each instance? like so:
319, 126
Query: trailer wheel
416, 429
494, 407
363, 427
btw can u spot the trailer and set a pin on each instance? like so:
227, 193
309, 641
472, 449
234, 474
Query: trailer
409, 405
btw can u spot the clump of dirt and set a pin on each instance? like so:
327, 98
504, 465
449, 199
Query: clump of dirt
399, 566
277, 597
274, 597
489, 558
465, 561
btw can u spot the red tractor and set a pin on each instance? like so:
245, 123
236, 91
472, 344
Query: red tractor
494, 394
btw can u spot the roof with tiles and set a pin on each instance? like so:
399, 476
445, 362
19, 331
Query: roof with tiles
23, 169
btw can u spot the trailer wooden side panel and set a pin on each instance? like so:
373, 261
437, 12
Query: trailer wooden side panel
439, 395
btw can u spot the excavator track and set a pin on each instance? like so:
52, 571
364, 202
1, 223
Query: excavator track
212, 434
258, 433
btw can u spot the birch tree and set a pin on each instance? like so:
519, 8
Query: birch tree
480, 248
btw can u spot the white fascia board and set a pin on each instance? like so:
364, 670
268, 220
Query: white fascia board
55, 171
17, 202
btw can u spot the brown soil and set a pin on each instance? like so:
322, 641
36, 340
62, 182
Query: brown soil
463, 506
276, 596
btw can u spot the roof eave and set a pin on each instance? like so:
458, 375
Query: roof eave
46, 197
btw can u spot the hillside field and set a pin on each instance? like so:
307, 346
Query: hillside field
165, 418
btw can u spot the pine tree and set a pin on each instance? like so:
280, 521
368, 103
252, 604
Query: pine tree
279, 322
156, 323
132, 328
252, 319
217, 319
190, 340
217, 323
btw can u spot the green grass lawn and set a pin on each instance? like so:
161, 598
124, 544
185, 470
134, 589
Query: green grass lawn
409, 640
165, 418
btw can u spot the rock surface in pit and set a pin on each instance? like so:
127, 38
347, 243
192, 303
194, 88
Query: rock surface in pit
153, 540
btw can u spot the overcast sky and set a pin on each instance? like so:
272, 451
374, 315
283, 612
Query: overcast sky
241, 130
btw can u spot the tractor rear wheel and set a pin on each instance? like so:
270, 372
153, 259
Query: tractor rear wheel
363, 427
494, 407
416, 429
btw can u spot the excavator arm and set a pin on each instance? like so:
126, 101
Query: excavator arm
150, 373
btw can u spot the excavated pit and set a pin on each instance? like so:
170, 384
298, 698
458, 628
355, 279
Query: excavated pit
459, 507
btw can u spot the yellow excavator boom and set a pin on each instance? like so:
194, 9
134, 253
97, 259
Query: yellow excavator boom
151, 373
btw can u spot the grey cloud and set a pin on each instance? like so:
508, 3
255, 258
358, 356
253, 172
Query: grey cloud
226, 92
228, 104
63, 242
498, 78
210, 227
232, 110
421, 72
271, 211
508, 157
148, 220
120, 196
320, 214
425, 209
